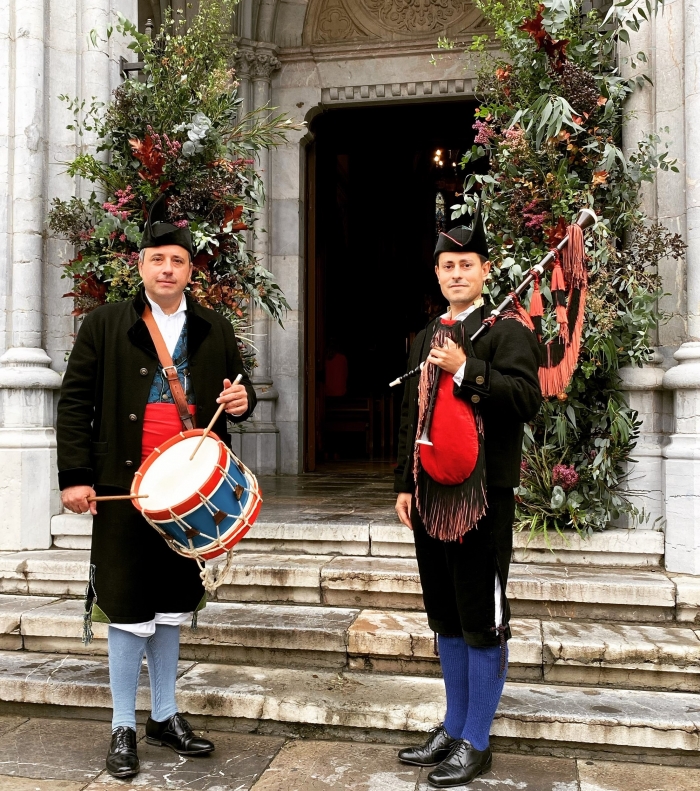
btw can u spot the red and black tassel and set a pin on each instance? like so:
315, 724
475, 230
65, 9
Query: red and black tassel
536, 308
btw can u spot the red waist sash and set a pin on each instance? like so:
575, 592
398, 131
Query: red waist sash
160, 423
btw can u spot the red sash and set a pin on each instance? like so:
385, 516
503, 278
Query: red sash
160, 423
452, 457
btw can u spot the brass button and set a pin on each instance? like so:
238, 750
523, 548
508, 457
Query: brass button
475, 399
143, 371
479, 380
129, 463
133, 418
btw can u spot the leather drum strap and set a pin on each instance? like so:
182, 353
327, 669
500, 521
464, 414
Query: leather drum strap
169, 369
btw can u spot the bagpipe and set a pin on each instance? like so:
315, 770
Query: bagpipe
559, 355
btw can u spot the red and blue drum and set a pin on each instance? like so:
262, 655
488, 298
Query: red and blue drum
202, 506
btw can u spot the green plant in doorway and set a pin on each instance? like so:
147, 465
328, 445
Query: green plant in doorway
552, 108
177, 129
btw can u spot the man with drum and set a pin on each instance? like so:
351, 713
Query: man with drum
116, 405
459, 457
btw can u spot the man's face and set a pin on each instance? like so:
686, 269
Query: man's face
461, 276
165, 270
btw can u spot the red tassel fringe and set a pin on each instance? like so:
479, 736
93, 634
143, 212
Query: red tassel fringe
555, 378
558, 282
536, 307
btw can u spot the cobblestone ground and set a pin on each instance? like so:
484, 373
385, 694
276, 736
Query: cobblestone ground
68, 755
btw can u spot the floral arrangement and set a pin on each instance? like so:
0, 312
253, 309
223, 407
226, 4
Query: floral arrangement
549, 130
177, 129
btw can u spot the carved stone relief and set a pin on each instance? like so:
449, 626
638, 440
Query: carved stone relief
339, 21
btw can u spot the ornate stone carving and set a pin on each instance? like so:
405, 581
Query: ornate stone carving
263, 65
335, 24
338, 21
255, 64
417, 16
244, 59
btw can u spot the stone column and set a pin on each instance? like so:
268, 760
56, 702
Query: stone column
644, 393
682, 454
259, 437
244, 59
29, 495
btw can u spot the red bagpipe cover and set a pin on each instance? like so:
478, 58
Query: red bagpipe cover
450, 474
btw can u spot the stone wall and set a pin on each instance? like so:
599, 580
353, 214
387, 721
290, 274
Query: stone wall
45, 51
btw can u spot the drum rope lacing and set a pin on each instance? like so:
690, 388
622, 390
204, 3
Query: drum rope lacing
213, 577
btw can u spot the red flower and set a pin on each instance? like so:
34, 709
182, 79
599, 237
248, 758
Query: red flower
233, 214
149, 156
564, 476
556, 50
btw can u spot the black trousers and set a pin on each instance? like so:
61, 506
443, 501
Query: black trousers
135, 573
458, 577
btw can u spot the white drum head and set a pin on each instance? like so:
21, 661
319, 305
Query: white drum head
172, 477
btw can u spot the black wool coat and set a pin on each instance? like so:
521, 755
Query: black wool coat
501, 379
458, 577
134, 573
106, 385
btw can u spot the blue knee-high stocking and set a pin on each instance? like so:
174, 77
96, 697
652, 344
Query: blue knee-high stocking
454, 660
125, 655
162, 653
485, 689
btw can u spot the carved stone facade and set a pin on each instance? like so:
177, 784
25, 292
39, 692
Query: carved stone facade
336, 21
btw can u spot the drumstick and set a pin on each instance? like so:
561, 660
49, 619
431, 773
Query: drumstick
217, 415
116, 497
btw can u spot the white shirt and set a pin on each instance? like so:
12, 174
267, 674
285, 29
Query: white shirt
170, 326
459, 375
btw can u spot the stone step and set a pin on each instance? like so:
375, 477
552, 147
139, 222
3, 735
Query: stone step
578, 716
359, 536
384, 582
553, 651
389, 641
535, 590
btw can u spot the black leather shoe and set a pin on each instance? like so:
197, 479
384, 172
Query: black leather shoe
435, 749
461, 766
122, 760
177, 734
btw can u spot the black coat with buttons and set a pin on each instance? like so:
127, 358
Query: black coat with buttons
501, 378
106, 385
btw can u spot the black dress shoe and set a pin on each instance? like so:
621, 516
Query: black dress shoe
461, 766
435, 749
177, 734
122, 760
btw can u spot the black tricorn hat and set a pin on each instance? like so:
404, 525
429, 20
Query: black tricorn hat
158, 231
464, 239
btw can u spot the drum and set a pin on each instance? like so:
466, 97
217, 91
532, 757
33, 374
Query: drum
201, 506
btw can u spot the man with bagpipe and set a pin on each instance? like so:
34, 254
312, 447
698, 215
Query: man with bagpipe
141, 372
476, 376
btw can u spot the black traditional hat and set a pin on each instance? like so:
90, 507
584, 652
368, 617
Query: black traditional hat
464, 239
158, 231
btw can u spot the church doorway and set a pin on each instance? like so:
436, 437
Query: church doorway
380, 183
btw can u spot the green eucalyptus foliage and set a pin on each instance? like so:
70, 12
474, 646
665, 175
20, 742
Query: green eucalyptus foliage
177, 129
550, 122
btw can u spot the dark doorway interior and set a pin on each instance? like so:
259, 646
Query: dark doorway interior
378, 177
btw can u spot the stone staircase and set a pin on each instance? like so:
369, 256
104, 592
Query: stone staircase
319, 627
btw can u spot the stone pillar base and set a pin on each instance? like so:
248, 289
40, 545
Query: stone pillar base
643, 390
682, 464
29, 494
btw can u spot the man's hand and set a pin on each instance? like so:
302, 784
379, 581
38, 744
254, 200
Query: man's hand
403, 508
450, 357
74, 498
235, 397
